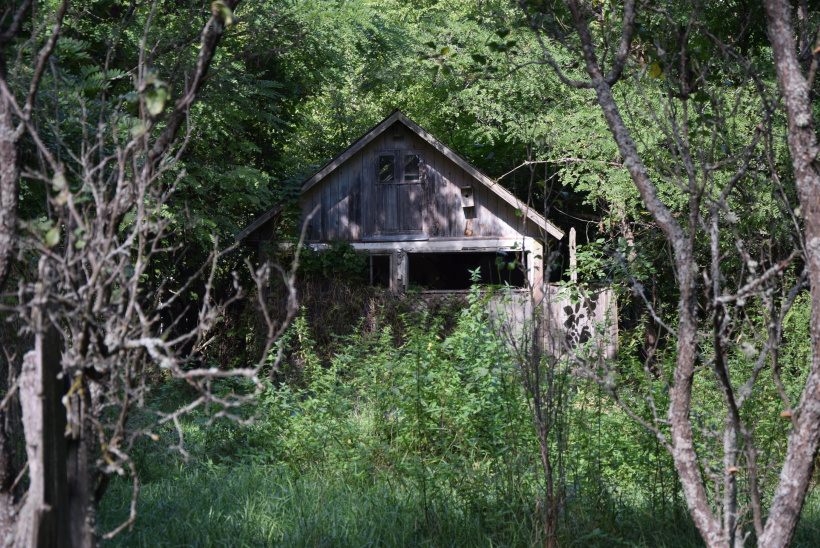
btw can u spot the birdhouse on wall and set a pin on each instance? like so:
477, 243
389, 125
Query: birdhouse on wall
467, 199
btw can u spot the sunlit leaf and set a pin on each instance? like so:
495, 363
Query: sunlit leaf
224, 12
53, 237
155, 100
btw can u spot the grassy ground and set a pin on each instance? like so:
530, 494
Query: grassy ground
271, 506
242, 503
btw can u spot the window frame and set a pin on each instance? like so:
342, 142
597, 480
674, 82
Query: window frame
399, 165
379, 157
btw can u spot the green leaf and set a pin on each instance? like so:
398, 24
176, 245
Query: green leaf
155, 100
224, 12
480, 59
53, 237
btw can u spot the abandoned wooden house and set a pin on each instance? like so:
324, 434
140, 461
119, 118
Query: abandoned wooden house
423, 214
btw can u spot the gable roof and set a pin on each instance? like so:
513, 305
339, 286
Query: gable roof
398, 116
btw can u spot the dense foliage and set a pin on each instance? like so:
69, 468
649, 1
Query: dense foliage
387, 426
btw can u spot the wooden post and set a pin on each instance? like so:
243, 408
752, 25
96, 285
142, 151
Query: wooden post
401, 271
573, 262
535, 269
43, 520
535, 272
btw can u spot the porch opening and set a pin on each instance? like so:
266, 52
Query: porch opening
451, 271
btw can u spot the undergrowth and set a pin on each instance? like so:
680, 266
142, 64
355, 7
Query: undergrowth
426, 441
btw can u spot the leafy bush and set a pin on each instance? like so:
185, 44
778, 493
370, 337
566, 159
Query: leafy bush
340, 261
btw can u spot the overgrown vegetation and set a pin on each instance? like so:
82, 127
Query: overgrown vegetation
120, 177
427, 441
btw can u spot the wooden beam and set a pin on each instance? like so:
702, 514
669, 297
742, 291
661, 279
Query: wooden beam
265, 217
438, 246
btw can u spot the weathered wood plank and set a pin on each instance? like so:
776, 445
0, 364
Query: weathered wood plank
355, 204
458, 222
480, 214
333, 231
43, 520
326, 210
436, 218
410, 208
367, 193
343, 194
496, 205
488, 218
445, 195
310, 201
391, 216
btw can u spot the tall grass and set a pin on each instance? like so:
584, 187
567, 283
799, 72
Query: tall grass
249, 505
273, 506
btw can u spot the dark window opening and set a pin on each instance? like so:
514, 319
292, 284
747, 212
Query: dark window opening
387, 168
452, 271
380, 271
412, 167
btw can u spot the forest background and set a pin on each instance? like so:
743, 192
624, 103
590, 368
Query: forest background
380, 425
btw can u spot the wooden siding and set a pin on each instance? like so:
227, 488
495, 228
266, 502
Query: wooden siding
355, 206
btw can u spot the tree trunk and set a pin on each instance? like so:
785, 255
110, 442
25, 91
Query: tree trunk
730, 510
7, 476
9, 181
805, 436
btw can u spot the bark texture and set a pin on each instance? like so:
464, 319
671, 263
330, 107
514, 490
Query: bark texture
805, 436
9, 180
683, 449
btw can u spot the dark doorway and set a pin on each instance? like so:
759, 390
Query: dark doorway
380, 271
451, 271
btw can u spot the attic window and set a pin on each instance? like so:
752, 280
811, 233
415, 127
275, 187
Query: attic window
387, 168
412, 164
